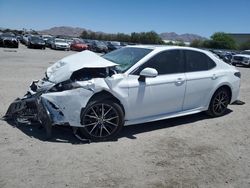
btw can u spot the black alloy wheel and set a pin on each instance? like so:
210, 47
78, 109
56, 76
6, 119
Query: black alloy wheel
219, 102
102, 120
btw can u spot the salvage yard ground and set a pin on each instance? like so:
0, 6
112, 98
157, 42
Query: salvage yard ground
191, 151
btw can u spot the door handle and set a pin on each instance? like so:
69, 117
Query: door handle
179, 81
214, 77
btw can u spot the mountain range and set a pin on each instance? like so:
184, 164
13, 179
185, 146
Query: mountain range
64, 30
76, 32
187, 37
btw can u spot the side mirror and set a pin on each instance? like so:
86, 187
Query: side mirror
147, 72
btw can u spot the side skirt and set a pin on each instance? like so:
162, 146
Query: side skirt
164, 116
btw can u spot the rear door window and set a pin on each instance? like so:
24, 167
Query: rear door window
198, 61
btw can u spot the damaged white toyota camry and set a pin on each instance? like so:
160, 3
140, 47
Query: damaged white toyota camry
97, 95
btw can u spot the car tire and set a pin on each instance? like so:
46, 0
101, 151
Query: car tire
219, 102
102, 120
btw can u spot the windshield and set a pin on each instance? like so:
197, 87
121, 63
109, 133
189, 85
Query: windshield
126, 57
246, 52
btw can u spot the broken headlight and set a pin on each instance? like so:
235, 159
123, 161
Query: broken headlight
67, 85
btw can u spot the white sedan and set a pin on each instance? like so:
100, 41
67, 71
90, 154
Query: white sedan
135, 84
60, 44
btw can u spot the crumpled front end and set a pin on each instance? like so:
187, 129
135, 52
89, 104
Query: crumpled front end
49, 109
61, 107
60, 97
65, 107
24, 108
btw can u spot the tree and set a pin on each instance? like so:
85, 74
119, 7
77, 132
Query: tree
143, 37
222, 41
146, 38
84, 35
197, 43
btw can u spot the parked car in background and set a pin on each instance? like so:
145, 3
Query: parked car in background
25, 39
98, 46
88, 42
243, 58
36, 42
78, 45
48, 43
19, 37
98, 95
8, 40
226, 56
59, 44
46, 37
69, 41
113, 45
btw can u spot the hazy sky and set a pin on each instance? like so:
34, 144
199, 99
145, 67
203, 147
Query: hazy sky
203, 17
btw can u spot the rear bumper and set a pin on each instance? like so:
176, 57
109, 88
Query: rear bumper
235, 90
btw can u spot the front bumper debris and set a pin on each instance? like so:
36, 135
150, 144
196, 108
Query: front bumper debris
37, 109
30, 110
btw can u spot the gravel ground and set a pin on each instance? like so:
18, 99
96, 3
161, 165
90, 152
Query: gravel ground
191, 151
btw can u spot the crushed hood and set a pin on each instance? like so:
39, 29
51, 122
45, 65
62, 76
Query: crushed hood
63, 69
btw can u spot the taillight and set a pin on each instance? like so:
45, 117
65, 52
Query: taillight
237, 74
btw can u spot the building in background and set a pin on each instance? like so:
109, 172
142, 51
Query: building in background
240, 37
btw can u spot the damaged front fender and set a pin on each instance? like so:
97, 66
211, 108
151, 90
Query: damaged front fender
65, 107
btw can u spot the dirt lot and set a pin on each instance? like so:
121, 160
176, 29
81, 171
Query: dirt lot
191, 151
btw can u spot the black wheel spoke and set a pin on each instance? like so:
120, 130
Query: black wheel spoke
109, 119
93, 117
94, 112
109, 122
105, 128
107, 111
101, 128
93, 128
90, 124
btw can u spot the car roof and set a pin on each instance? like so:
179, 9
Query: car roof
165, 47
